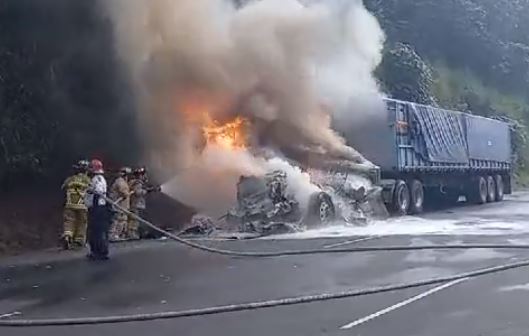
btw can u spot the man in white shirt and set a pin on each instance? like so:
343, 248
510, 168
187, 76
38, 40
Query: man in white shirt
98, 213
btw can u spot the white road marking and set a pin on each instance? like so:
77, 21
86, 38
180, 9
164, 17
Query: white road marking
347, 242
524, 287
401, 304
10, 314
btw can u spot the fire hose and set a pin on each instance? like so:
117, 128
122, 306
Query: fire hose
266, 254
255, 305
276, 302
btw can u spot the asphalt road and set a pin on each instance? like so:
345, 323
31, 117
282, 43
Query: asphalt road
163, 276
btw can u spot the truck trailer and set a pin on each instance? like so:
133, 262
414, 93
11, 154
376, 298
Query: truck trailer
432, 155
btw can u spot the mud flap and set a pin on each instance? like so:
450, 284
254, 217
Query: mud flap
375, 207
388, 188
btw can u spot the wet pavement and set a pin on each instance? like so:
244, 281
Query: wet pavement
163, 276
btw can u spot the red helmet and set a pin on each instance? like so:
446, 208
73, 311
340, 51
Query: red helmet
96, 166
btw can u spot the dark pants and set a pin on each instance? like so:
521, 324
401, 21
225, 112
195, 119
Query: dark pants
98, 227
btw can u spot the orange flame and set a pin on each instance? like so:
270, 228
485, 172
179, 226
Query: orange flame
230, 135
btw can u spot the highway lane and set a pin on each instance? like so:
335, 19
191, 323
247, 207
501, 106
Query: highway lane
163, 276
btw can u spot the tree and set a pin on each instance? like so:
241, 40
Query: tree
26, 132
488, 37
62, 97
405, 75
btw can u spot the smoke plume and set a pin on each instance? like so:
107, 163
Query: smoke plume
209, 185
290, 67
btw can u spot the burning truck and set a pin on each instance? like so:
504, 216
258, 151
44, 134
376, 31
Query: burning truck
340, 190
296, 149
428, 154
217, 82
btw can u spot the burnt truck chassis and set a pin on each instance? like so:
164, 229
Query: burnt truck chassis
265, 207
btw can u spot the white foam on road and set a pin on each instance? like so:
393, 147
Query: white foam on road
505, 218
522, 287
472, 256
463, 256
415, 226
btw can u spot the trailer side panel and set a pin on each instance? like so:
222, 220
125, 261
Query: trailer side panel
489, 143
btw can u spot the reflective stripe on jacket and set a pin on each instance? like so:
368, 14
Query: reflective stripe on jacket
76, 187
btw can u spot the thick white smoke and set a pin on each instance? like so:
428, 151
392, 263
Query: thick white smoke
209, 185
283, 64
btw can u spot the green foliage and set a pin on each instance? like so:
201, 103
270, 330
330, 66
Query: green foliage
61, 96
463, 91
405, 75
21, 147
488, 37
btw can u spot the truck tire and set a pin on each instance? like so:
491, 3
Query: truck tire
321, 210
500, 189
416, 197
491, 189
401, 198
477, 191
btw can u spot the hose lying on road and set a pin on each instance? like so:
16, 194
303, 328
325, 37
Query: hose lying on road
276, 302
255, 305
313, 251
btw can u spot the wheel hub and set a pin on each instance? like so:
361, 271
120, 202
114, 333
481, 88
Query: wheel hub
325, 211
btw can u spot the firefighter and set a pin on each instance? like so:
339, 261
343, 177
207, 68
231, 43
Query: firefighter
138, 189
120, 193
98, 213
75, 211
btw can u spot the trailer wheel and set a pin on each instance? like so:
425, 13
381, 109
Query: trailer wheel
417, 197
401, 198
500, 191
478, 190
491, 189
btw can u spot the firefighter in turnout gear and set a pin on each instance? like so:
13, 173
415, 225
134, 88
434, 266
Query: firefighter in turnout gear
138, 204
120, 193
75, 211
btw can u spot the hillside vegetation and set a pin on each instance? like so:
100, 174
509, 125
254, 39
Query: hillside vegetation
61, 94
468, 55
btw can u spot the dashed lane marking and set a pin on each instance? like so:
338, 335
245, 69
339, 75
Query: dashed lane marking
401, 304
10, 315
347, 242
